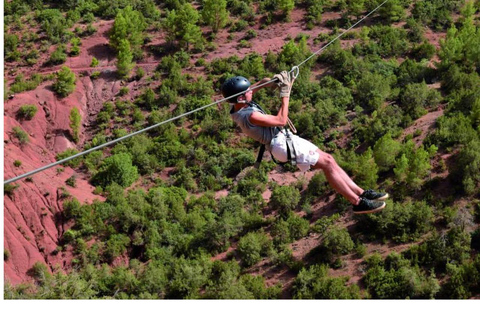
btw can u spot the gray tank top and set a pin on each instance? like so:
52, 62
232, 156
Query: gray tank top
242, 118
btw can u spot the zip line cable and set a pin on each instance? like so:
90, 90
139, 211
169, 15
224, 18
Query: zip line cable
341, 34
295, 70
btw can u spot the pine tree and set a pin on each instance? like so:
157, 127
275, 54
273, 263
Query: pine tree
75, 122
124, 59
215, 14
129, 25
181, 25
65, 83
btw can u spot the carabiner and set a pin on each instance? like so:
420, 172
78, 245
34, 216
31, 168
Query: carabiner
295, 71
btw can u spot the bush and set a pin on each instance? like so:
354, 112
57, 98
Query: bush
17, 163
395, 278
20, 85
337, 241
440, 249
372, 91
21, 135
95, 75
72, 181
67, 153
123, 91
284, 199
75, 123
401, 222
75, 49
6, 255
252, 247
65, 82
385, 151
58, 56
416, 97
27, 111
94, 62
9, 188
116, 169
314, 283
464, 280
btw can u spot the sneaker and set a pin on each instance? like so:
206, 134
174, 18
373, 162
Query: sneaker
373, 195
368, 206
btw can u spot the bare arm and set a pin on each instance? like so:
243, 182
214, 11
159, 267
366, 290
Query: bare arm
264, 80
266, 120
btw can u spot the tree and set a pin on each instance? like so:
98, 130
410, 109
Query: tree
181, 25
252, 247
392, 11
385, 151
215, 13
284, 199
416, 97
372, 91
65, 82
75, 123
314, 283
116, 169
129, 25
124, 59
58, 56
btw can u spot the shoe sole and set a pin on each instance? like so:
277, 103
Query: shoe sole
371, 211
385, 197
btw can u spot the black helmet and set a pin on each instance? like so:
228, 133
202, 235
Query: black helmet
233, 86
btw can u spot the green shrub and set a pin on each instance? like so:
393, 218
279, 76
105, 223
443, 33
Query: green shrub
9, 188
314, 283
385, 152
252, 247
118, 169
463, 281
440, 249
72, 181
75, 49
27, 111
20, 84
140, 73
94, 62
123, 91
95, 74
75, 123
401, 222
284, 199
17, 163
416, 97
65, 82
395, 278
6, 255
21, 135
337, 241
67, 153
58, 56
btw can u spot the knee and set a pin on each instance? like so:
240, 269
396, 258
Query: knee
327, 162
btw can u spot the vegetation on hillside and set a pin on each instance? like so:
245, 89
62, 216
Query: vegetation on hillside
162, 234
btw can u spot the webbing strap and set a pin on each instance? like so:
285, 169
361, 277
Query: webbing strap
260, 156
291, 152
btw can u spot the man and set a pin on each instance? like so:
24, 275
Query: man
263, 128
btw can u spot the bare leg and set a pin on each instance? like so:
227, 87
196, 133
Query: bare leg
336, 177
358, 191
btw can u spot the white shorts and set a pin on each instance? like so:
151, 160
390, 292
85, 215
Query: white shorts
305, 150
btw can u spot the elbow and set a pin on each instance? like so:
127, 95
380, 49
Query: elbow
282, 122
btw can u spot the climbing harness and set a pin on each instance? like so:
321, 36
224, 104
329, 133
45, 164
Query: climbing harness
295, 71
291, 152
